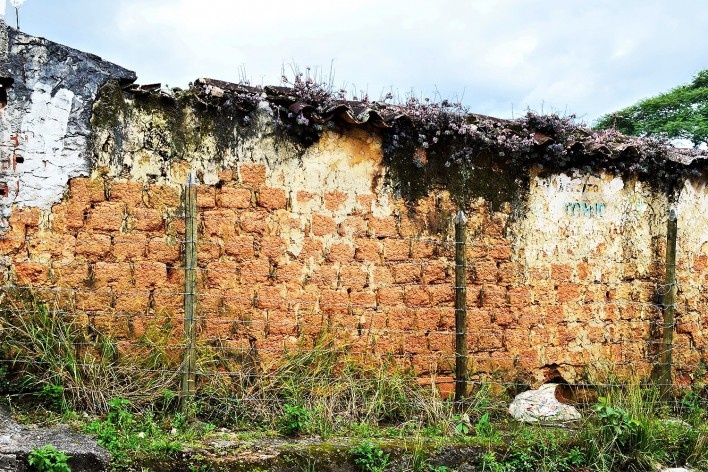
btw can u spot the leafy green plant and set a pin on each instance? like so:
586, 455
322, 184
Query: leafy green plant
484, 428
617, 425
49, 459
52, 396
462, 424
369, 457
295, 420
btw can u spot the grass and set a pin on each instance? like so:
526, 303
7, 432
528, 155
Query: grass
53, 365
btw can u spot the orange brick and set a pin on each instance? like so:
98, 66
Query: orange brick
239, 247
272, 198
238, 198
28, 216
150, 274
84, 191
500, 251
208, 250
396, 249
363, 299
405, 273
323, 225
223, 274
206, 196
272, 247
30, 273
271, 298
569, 292
353, 276
225, 175
494, 296
311, 248
220, 223
441, 294
255, 222
105, 216
417, 296
325, 276
94, 300
133, 302
423, 249
252, 175
163, 196
519, 297
106, 273
382, 275
353, 226
485, 271
561, 272
129, 246
304, 197
93, 245
385, 227
368, 250
334, 301
389, 296
66, 217
148, 219
50, 244
293, 272
435, 272
340, 252
255, 271
333, 201
238, 299
128, 192
162, 250
365, 203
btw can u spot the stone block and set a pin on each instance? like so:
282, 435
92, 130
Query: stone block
129, 246
252, 175
340, 252
396, 249
272, 198
234, 198
383, 227
323, 225
240, 247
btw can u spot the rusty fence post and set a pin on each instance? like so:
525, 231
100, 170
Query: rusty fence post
460, 309
668, 303
190, 291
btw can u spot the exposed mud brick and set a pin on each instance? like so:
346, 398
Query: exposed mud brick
31, 273
128, 192
238, 299
66, 217
163, 196
239, 247
334, 301
568, 292
27, 216
208, 250
311, 324
441, 294
175, 227
406, 273
106, 273
133, 303
383, 227
325, 276
206, 196
503, 316
219, 223
382, 276
519, 297
116, 324
435, 272
223, 274
93, 246
272, 198
45, 245
333, 201
500, 250
353, 276
477, 319
477, 250
226, 175
209, 302
423, 249
400, 319
417, 296
554, 314
353, 226
369, 250
485, 271
255, 271
84, 191
272, 247
147, 219
365, 203
340, 252
430, 319
293, 272
362, 300
442, 342
389, 296
150, 274
129, 246
396, 249
494, 296
281, 323
235, 198
162, 249
168, 300
510, 273
94, 300
303, 298
252, 175
272, 298
561, 272
106, 217
323, 225
304, 198
255, 222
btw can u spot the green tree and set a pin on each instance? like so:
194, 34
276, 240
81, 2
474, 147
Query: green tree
680, 113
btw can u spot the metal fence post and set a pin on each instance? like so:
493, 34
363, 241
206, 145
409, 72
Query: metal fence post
460, 308
668, 301
190, 290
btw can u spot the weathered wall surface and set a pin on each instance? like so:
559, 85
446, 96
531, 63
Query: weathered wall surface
298, 240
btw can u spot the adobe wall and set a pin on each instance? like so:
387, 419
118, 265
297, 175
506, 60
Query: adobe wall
296, 240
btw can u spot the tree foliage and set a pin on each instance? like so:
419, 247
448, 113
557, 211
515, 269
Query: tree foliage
680, 113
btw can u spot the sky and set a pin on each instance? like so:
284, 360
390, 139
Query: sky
499, 57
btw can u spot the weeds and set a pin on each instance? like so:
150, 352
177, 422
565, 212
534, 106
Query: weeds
49, 459
369, 457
